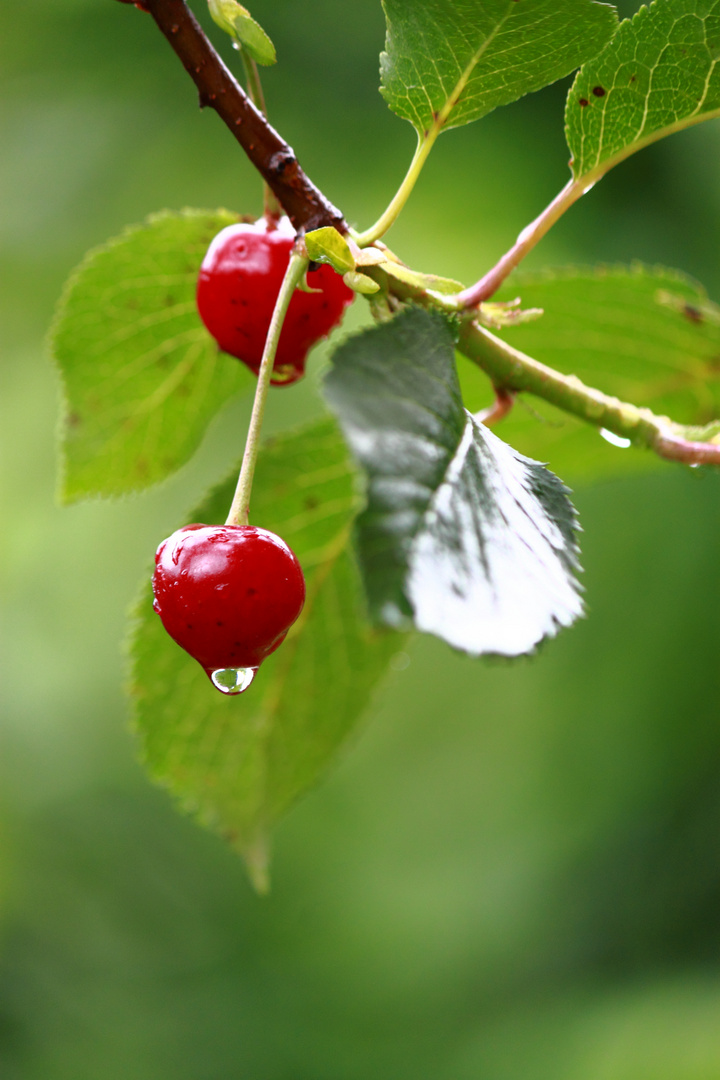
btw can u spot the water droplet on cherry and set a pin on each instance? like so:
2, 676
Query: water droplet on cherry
231, 680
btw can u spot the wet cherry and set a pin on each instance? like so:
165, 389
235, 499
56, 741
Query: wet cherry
228, 594
238, 285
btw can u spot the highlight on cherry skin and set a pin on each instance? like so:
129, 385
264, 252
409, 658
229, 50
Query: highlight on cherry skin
238, 285
227, 594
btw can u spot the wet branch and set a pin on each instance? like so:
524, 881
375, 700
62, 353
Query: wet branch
305, 205
510, 371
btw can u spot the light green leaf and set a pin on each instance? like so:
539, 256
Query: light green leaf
448, 62
499, 314
461, 535
644, 334
326, 245
238, 763
418, 280
142, 378
360, 283
659, 74
237, 21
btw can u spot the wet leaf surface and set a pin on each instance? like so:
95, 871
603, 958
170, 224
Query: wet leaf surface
461, 535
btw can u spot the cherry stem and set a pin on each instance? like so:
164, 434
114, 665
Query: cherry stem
308, 208
240, 509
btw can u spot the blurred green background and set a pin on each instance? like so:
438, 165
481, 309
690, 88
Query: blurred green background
514, 873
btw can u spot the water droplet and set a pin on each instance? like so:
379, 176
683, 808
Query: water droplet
615, 440
232, 680
526, 232
400, 661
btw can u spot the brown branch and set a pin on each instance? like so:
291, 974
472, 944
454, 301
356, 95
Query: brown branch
305, 205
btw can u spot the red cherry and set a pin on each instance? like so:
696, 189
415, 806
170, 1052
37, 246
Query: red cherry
239, 282
228, 594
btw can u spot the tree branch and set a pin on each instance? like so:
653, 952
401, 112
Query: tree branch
305, 205
513, 372
510, 370
526, 241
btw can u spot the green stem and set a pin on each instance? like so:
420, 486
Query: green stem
383, 223
271, 207
511, 370
240, 509
252, 78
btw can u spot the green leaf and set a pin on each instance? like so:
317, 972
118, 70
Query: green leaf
461, 534
418, 280
142, 378
237, 21
360, 283
326, 245
448, 62
238, 763
647, 335
659, 74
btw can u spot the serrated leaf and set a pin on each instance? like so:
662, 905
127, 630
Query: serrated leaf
462, 534
326, 245
237, 21
659, 74
647, 335
448, 62
142, 377
238, 763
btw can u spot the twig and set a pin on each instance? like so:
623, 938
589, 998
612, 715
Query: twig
501, 406
526, 241
304, 204
514, 371
510, 370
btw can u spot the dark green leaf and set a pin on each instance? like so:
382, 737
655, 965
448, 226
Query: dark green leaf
468, 538
659, 74
647, 335
142, 377
452, 61
238, 763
